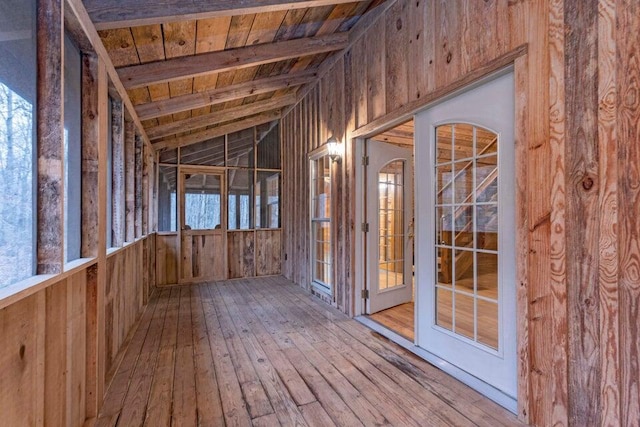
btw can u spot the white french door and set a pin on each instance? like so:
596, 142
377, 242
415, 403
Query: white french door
465, 225
389, 215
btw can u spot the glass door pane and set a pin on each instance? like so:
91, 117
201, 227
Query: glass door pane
391, 222
466, 212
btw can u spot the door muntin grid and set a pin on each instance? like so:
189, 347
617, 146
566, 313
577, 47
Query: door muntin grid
466, 230
391, 212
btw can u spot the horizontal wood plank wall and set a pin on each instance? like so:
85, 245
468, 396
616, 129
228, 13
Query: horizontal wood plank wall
574, 175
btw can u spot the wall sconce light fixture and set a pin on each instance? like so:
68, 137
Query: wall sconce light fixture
334, 149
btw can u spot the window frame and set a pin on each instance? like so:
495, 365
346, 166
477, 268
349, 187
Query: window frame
315, 156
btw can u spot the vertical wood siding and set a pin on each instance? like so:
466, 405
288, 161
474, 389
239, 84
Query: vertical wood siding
577, 133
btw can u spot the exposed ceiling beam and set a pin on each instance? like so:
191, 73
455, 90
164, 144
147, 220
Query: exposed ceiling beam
110, 14
220, 116
227, 60
217, 96
87, 26
218, 131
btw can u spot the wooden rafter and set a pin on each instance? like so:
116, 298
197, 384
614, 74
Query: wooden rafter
204, 135
216, 96
110, 14
227, 60
220, 116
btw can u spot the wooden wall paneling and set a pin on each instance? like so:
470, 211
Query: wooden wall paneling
290, 196
360, 82
557, 197
628, 173
284, 195
55, 358
108, 321
118, 189
50, 137
582, 176
76, 350
521, 76
138, 185
21, 395
267, 248
396, 73
241, 250
421, 47
349, 171
480, 33
375, 70
196, 259
130, 178
449, 47
300, 152
93, 353
517, 17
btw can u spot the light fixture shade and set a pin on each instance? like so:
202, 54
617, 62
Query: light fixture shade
334, 149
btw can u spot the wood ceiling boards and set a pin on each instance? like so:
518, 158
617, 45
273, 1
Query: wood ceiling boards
196, 69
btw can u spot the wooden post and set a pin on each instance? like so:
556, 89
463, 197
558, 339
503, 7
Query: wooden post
138, 186
118, 177
130, 179
146, 171
50, 177
94, 128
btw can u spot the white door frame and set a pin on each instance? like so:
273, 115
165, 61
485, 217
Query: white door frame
380, 299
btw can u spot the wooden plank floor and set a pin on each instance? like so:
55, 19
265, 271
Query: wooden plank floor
264, 352
399, 319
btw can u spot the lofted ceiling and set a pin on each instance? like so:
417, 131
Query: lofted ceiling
199, 69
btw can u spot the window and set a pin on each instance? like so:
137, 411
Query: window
240, 193
109, 173
72, 150
17, 141
267, 199
202, 201
167, 199
321, 260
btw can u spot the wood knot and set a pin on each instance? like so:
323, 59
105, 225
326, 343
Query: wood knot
124, 45
587, 183
399, 24
22, 350
182, 42
261, 360
449, 58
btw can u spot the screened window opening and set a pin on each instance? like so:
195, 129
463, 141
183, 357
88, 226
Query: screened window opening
202, 202
268, 200
240, 199
72, 150
17, 142
167, 199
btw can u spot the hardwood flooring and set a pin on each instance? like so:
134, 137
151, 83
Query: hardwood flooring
265, 352
399, 319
